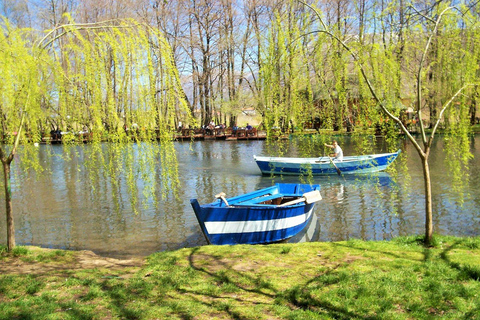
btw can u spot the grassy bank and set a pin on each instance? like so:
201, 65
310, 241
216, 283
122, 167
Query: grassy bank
396, 279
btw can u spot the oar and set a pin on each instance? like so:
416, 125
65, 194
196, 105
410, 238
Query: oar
320, 161
336, 168
308, 197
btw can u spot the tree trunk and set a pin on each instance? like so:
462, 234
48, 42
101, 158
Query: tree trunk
428, 202
473, 107
8, 206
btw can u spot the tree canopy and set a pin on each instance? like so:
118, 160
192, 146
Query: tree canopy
113, 82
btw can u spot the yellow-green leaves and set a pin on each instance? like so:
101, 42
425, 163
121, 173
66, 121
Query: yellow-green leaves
114, 83
286, 90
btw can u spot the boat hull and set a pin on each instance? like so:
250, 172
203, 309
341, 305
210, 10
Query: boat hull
252, 223
324, 165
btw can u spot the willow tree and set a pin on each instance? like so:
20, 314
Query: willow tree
459, 71
284, 76
115, 76
20, 88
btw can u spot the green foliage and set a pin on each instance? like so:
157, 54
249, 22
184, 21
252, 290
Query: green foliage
286, 91
441, 69
22, 87
457, 147
285, 250
96, 83
20, 251
100, 80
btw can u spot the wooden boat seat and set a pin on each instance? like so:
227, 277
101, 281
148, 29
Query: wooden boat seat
259, 200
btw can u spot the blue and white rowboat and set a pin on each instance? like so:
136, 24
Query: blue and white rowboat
325, 165
268, 215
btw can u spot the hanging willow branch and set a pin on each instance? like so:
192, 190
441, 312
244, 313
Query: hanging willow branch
423, 152
419, 77
116, 78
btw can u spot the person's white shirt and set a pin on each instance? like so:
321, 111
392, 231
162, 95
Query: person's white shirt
338, 153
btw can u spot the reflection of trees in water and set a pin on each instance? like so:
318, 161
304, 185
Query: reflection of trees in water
74, 207
360, 207
210, 171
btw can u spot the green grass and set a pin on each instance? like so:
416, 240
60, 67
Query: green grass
398, 279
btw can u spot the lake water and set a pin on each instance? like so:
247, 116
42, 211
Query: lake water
64, 209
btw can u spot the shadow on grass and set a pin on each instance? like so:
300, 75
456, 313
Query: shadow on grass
469, 271
221, 278
472, 272
300, 296
296, 297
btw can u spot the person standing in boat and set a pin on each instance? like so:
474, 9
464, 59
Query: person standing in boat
337, 151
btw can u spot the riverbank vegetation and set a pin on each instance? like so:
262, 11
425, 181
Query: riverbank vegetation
397, 279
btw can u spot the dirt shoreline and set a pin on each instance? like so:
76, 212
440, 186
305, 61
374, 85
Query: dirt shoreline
77, 260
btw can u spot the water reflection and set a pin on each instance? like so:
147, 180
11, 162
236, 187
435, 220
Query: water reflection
75, 208
352, 206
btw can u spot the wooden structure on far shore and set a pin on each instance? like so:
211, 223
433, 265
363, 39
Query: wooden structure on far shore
220, 134
56, 137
